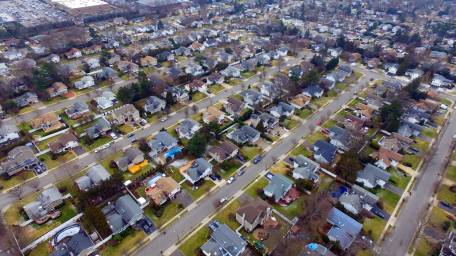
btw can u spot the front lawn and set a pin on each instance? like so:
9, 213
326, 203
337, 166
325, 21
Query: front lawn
280, 168
259, 184
421, 144
192, 245
227, 215
330, 123
42, 249
106, 163
16, 179
423, 248
290, 123
250, 152
126, 129
197, 96
228, 167
320, 102
374, 227
341, 86
354, 102
398, 178
446, 195
438, 217
303, 113
96, 143
216, 88
301, 150
429, 132
451, 173
411, 160
170, 209
201, 191
311, 139
61, 159
389, 199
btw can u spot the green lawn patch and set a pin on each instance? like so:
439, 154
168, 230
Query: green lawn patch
438, 217
330, 123
192, 245
61, 159
311, 139
290, 123
68, 120
106, 163
320, 102
446, 101
227, 215
341, 86
197, 96
303, 113
201, 191
280, 168
423, 248
429, 132
301, 150
389, 199
126, 128
97, 143
292, 210
250, 152
451, 173
198, 117
170, 209
228, 167
172, 130
398, 178
247, 74
175, 174
354, 102
83, 127
216, 88
259, 184
42, 249
421, 144
125, 245
16, 179
446, 195
411, 160
374, 227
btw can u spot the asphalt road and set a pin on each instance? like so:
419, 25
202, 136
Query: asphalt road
416, 206
191, 219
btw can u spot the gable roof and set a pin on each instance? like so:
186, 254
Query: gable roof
372, 173
325, 149
345, 229
278, 186
223, 241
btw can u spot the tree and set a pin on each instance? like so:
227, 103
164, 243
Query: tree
413, 91
390, 116
125, 95
197, 145
348, 166
318, 61
96, 217
44, 76
311, 77
332, 64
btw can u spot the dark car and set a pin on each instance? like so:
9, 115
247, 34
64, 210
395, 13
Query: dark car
257, 159
446, 204
215, 177
241, 158
379, 213
241, 171
146, 225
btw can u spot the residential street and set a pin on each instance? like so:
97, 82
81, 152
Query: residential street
190, 220
416, 206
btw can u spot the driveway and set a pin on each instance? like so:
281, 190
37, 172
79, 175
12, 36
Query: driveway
78, 151
183, 198
394, 189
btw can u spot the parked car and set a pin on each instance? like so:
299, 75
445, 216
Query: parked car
163, 119
257, 159
241, 171
113, 135
215, 177
379, 213
231, 180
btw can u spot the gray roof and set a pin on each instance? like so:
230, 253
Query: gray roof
365, 195
77, 107
153, 103
282, 108
278, 186
313, 90
351, 199
306, 167
251, 95
127, 207
345, 229
244, 134
83, 182
372, 173
325, 149
197, 169
224, 241
185, 127
50, 195
340, 134
100, 126
98, 173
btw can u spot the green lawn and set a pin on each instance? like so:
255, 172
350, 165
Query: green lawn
197, 117
280, 168
341, 86
423, 248
124, 246
389, 199
330, 123
16, 179
438, 217
247, 74
303, 113
83, 127
42, 249
97, 143
445, 101
429, 132
170, 209
106, 163
67, 120
131, 176
24, 126
201, 191
451, 173
412, 160
301, 150
172, 130
126, 128
290, 123
398, 178
311, 139
44, 144
354, 102
446, 195
250, 152
197, 96
292, 210
192, 245
374, 227
61, 159
421, 144
216, 88
259, 184
320, 102
226, 216
228, 167
175, 174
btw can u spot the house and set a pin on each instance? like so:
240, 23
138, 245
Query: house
249, 65
225, 151
179, 94
92, 63
252, 97
324, 152
106, 100
253, 215
231, 72
131, 159
77, 110
387, 158
8, 133
100, 128
4, 69
368, 199
123, 213
187, 128
165, 56
266, 120
300, 101
449, 245
441, 81
197, 46
270, 90
409, 130
64, 143
234, 107
346, 68
304, 168
296, 72
73, 53
72, 240
161, 188
127, 67
394, 85
196, 170
336, 76
391, 68
335, 52
106, 74
278, 187
281, 109
213, 114
94, 176
193, 69
414, 73
85, 82
351, 202
196, 86
215, 78
154, 104
182, 51
20, 158
244, 134
340, 137
57, 89
372, 176
46, 202
148, 61
344, 229
223, 241
26, 99
125, 114
161, 142
373, 63
264, 59
48, 122
313, 91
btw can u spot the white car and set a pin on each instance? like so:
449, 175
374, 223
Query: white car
113, 135
163, 119
230, 180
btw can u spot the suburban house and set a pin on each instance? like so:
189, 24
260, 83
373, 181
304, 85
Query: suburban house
187, 128
441, 81
296, 72
270, 90
358, 199
223, 241
215, 78
213, 114
386, 158
336, 76
20, 158
414, 73
327, 84
106, 100
94, 176
48, 122
324, 152
121, 214
344, 228
77, 110
100, 128
85, 82
73, 53
339, 137
57, 89
300, 101
281, 109
127, 67
252, 215
125, 114
234, 107
244, 134
304, 168
161, 188
372, 176
278, 187
196, 85
231, 72
154, 104
351, 202
64, 143
179, 94
225, 151
8, 133
448, 245
148, 61
46, 202
161, 142
252, 97
132, 160
196, 170
26, 99
391, 68
313, 91
266, 120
